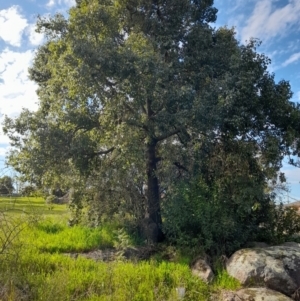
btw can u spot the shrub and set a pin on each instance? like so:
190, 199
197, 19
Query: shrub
194, 218
203, 217
283, 225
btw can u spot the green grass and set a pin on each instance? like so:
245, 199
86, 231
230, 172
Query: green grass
224, 281
58, 277
51, 235
33, 266
37, 205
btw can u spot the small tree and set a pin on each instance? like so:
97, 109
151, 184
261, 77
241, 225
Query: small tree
6, 185
28, 190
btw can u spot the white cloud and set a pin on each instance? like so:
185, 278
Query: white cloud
236, 5
12, 25
67, 3
34, 37
51, 3
268, 21
293, 58
293, 45
16, 90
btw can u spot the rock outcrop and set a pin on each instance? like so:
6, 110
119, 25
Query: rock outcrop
201, 268
276, 267
254, 294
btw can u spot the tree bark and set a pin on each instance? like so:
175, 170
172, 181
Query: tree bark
154, 210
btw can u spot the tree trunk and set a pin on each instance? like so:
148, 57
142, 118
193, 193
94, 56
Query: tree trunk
154, 210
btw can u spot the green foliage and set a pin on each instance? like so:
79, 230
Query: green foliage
34, 269
31, 191
224, 281
129, 93
206, 218
49, 226
282, 225
136, 94
35, 274
193, 218
122, 242
57, 277
6, 185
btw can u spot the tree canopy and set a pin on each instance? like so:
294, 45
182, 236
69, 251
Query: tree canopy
135, 95
6, 185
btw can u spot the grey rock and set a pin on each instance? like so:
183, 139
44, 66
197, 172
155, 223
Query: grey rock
291, 244
254, 294
276, 267
202, 269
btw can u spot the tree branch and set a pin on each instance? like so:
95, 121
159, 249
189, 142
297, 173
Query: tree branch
178, 165
127, 106
167, 135
105, 152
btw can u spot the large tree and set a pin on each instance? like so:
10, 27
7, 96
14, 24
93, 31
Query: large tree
133, 88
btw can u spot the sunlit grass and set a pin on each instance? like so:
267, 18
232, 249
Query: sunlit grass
59, 277
52, 235
26, 205
35, 266
224, 281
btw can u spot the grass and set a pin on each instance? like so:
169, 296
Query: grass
57, 277
224, 281
36, 205
34, 266
53, 236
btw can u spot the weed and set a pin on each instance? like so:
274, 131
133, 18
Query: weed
224, 281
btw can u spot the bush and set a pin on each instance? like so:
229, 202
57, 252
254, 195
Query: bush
283, 225
193, 217
203, 217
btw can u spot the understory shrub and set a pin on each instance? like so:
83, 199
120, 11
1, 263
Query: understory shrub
283, 224
205, 218
193, 217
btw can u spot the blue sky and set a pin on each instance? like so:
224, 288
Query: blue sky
275, 22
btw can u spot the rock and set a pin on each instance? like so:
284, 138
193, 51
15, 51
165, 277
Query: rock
291, 244
261, 294
227, 296
254, 294
296, 295
64, 199
202, 269
276, 267
52, 199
